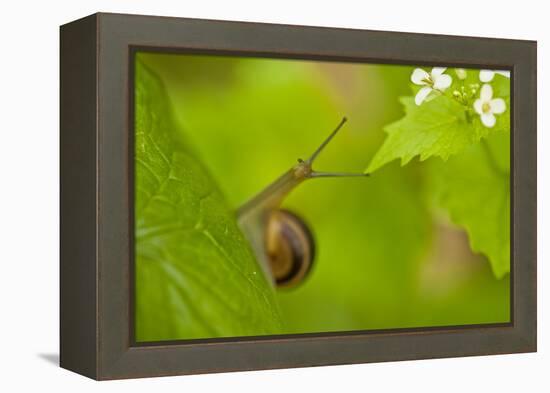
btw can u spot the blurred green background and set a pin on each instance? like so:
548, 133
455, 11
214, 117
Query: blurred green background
386, 258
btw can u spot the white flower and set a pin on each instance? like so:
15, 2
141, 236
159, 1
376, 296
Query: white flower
487, 106
435, 80
488, 75
461, 73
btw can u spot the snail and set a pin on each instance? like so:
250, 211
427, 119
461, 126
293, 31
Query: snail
281, 240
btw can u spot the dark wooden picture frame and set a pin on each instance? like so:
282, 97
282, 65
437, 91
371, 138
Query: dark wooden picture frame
96, 196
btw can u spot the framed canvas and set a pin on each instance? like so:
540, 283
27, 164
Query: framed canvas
242, 196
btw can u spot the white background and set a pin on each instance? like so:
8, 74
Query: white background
29, 193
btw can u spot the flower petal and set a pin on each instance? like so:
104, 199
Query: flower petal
486, 75
422, 94
461, 73
436, 71
503, 73
478, 106
486, 93
443, 81
419, 76
498, 105
488, 119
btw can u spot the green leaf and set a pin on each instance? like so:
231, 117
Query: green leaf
196, 276
474, 187
440, 127
435, 128
474, 183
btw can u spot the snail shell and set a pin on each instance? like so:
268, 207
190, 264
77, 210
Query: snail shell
290, 248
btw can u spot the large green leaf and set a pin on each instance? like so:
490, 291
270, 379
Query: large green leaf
474, 187
196, 276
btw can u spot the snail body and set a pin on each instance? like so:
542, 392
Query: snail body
282, 241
